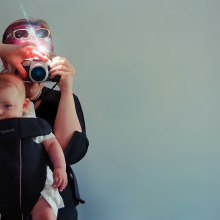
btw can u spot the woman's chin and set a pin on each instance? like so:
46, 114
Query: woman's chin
32, 89
30, 84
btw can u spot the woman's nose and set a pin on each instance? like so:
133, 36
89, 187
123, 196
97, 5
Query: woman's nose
31, 33
1, 111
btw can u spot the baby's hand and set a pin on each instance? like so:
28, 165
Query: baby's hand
59, 178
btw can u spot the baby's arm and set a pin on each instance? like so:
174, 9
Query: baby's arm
56, 155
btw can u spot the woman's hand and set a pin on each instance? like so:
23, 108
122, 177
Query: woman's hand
61, 66
16, 54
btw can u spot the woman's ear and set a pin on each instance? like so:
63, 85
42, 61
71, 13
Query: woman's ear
26, 104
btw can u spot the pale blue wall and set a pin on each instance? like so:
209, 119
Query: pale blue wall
148, 78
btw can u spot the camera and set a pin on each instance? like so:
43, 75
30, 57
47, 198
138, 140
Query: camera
37, 71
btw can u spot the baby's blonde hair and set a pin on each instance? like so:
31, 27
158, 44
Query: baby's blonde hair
8, 79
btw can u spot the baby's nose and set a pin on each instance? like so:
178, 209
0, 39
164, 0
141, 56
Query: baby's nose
1, 112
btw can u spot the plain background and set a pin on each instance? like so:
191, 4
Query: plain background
148, 79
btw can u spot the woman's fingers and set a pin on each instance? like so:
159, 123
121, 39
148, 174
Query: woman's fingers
59, 61
26, 50
38, 54
16, 54
21, 70
30, 50
60, 67
60, 73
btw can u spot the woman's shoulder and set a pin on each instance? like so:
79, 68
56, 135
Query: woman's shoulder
54, 92
50, 102
54, 96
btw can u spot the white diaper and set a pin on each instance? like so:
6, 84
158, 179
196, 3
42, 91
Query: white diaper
52, 196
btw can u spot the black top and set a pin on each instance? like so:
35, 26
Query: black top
77, 146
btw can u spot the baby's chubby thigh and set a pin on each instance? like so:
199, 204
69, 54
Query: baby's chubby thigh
42, 210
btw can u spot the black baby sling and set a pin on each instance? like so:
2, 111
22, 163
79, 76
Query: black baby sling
22, 164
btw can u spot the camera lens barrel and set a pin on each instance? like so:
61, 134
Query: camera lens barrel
38, 71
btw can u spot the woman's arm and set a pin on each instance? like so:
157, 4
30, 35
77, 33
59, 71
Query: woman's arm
16, 54
66, 122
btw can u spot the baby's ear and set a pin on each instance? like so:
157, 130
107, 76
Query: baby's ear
26, 104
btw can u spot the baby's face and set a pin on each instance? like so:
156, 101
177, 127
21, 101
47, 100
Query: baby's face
11, 103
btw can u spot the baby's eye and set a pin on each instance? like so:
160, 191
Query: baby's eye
7, 106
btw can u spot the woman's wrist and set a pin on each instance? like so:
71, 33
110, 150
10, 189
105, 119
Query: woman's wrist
65, 87
66, 92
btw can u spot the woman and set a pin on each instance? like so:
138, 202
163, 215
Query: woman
61, 109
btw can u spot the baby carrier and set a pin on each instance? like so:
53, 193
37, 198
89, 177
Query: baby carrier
22, 164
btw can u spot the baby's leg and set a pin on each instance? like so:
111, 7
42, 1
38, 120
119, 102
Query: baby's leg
42, 211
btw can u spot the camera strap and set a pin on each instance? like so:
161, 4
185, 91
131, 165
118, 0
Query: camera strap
43, 94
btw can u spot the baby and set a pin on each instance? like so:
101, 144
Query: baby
13, 104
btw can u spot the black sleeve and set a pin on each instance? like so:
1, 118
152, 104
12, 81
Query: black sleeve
76, 148
78, 144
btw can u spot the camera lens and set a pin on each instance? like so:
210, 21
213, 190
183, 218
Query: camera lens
38, 74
